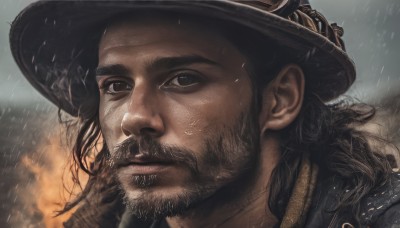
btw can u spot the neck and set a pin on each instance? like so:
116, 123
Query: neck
247, 204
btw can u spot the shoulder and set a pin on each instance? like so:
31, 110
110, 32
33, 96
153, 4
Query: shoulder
382, 208
377, 209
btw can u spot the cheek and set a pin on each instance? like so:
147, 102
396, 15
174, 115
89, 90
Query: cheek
192, 120
222, 108
110, 118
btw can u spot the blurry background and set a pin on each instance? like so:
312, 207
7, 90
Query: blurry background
372, 36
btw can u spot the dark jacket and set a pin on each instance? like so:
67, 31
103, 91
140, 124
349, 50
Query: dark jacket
378, 209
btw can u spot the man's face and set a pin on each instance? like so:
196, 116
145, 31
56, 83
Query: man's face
175, 103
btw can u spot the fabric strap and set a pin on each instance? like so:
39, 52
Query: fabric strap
300, 200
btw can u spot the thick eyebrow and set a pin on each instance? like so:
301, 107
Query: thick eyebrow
159, 63
115, 69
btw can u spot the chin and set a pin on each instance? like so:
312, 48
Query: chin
156, 202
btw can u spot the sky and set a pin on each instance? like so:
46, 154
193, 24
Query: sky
372, 37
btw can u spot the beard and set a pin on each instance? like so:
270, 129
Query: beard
229, 157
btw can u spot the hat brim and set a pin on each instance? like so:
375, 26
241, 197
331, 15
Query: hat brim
48, 36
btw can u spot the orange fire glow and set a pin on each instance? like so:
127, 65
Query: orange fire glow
52, 185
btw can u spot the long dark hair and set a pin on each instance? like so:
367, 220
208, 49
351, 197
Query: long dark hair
332, 136
330, 133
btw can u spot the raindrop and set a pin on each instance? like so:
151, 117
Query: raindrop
187, 132
194, 123
33, 58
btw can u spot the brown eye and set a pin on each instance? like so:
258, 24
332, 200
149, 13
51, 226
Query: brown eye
184, 80
115, 87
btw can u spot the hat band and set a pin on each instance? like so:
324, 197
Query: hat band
300, 12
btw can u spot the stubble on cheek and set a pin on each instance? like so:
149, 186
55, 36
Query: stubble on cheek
226, 155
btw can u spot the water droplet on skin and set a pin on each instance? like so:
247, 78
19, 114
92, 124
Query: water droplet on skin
187, 132
194, 123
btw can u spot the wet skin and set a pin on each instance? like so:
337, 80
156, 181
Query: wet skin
176, 84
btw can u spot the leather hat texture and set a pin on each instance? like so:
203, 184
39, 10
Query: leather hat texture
54, 42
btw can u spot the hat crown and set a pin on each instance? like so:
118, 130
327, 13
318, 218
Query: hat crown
300, 12
280, 7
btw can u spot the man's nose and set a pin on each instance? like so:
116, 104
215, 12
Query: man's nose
142, 116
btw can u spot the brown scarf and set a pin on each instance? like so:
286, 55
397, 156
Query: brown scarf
301, 197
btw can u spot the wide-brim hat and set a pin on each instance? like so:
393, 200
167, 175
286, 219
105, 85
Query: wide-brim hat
54, 42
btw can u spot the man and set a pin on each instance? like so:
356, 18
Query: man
210, 113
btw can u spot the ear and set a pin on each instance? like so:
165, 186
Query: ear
282, 99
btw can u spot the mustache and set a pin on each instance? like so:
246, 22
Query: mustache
150, 149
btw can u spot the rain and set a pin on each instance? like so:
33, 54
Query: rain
27, 120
